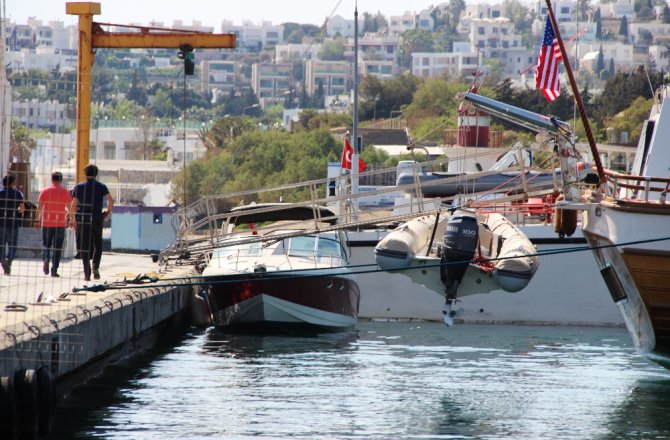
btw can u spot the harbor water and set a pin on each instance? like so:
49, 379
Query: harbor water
403, 380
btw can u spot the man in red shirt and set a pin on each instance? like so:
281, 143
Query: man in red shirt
53, 212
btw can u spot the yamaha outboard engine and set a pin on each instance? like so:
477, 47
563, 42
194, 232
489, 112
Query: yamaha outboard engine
460, 243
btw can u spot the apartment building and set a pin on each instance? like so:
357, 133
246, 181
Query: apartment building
493, 36
285, 53
49, 115
444, 64
220, 75
410, 20
338, 25
334, 76
252, 36
373, 46
382, 69
271, 81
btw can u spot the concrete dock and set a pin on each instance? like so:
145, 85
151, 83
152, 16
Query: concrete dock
43, 323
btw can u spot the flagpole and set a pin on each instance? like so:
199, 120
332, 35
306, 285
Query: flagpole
354, 134
578, 98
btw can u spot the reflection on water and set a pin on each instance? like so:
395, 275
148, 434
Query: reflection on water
385, 380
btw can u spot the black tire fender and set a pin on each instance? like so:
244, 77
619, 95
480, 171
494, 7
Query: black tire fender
47, 399
27, 393
8, 410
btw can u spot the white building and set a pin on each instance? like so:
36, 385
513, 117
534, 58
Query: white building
43, 58
564, 10
270, 82
619, 9
334, 76
441, 64
252, 36
625, 56
373, 46
338, 25
50, 115
401, 23
288, 53
220, 75
492, 36
382, 69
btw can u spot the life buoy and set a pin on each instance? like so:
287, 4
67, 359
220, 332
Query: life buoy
47, 396
27, 397
8, 412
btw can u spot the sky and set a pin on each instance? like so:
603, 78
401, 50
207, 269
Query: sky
211, 12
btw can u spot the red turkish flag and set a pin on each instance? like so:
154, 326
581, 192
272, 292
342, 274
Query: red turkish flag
346, 157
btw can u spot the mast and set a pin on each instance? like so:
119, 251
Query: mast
5, 98
354, 131
578, 98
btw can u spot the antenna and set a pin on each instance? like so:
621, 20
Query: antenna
651, 87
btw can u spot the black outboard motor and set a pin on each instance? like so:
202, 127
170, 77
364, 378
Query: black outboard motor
460, 243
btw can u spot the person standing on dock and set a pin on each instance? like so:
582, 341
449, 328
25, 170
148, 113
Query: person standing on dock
11, 209
87, 204
53, 210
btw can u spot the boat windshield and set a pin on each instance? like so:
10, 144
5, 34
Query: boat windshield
244, 249
310, 246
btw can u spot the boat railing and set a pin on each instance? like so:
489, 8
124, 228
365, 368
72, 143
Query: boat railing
279, 259
636, 187
206, 224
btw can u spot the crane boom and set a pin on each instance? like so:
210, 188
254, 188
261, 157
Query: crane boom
92, 36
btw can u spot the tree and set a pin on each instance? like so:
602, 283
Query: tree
373, 23
147, 142
645, 37
414, 40
600, 61
225, 131
665, 15
621, 89
623, 27
584, 9
21, 143
332, 50
318, 100
138, 90
519, 14
599, 24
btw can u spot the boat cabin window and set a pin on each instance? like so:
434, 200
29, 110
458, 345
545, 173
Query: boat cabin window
311, 246
328, 248
245, 250
302, 246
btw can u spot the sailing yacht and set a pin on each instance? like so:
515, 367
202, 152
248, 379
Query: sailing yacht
627, 228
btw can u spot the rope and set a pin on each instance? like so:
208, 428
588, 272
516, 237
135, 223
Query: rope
145, 281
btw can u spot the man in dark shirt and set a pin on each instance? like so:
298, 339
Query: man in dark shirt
11, 211
87, 204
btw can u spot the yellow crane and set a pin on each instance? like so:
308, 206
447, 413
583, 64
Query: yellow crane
93, 36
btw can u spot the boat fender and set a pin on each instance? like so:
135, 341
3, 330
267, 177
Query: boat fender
47, 398
565, 220
461, 238
201, 312
27, 397
8, 410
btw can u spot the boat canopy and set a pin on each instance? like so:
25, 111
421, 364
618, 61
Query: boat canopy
267, 212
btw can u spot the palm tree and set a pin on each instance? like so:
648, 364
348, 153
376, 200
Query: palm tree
21, 144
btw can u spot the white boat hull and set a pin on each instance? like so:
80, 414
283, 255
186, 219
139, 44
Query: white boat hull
565, 290
276, 311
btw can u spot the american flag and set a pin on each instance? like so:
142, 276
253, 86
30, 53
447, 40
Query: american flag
546, 72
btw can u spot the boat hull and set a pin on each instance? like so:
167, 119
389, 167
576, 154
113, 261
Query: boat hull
637, 274
264, 303
551, 297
